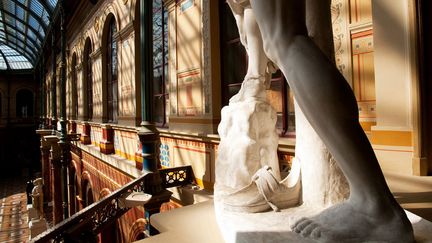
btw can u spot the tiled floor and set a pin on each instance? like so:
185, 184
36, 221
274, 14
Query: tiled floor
13, 210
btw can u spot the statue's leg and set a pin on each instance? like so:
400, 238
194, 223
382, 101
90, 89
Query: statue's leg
253, 86
371, 212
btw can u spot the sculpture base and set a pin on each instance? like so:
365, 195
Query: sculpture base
37, 226
260, 227
237, 227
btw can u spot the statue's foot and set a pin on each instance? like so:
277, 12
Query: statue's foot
265, 192
344, 223
252, 88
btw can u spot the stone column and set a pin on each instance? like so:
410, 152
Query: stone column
45, 153
56, 189
148, 134
53, 83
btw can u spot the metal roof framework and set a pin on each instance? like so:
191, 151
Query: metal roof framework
23, 28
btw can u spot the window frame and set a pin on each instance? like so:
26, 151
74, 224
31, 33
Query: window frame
163, 94
88, 74
111, 52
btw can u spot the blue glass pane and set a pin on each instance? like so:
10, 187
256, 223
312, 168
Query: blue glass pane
3, 64
36, 7
14, 58
19, 13
9, 6
52, 3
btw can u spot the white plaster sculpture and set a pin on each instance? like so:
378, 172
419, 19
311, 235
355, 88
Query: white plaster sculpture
239, 160
370, 213
323, 183
247, 167
37, 195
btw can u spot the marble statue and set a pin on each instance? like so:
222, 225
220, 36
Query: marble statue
370, 213
247, 161
37, 195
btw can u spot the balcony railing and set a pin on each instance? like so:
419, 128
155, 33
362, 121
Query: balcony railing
93, 219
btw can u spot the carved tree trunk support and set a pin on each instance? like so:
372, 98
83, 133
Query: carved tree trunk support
322, 180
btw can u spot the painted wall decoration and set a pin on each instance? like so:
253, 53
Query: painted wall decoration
189, 93
164, 155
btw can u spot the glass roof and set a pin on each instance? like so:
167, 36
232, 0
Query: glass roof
23, 25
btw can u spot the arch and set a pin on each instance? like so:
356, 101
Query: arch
24, 103
87, 90
86, 189
111, 232
104, 192
72, 188
109, 50
74, 89
137, 230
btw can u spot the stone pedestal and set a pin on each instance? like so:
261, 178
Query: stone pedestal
107, 144
37, 226
85, 135
32, 212
251, 228
72, 127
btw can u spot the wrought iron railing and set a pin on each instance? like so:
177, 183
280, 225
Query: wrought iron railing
90, 221
177, 176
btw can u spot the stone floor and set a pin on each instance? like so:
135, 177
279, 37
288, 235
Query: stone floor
13, 210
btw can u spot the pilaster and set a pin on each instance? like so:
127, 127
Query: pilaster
56, 189
45, 163
107, 144
85, 137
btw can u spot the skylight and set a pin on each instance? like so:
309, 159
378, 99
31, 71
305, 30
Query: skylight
23, 26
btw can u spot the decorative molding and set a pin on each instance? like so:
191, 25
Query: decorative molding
169, 3
341, 37
206, 57
126, 31
97, 24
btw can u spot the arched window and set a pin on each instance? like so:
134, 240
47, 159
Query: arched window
111, 72
24, 103
88, 81
160, 64
74, 91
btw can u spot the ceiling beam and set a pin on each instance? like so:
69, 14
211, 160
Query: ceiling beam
7, 63
45, 5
